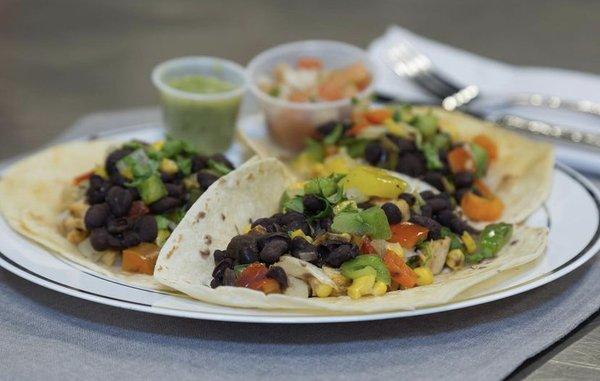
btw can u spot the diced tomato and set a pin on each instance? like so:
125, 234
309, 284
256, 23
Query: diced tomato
138, 208
251, 275
366, 247
378, 115
140, 258
331, 90
81, 178
266, 285
487, 144
408, 234
400, 271
460, 160
309, 63
358, 74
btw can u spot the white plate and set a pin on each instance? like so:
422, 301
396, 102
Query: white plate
572, 213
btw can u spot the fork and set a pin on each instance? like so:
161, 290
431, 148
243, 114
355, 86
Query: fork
405, 60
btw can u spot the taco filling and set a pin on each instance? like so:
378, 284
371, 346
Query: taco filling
124, 210
397, 139
362, 233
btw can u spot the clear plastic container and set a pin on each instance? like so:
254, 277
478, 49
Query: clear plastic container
207, 120
289, 123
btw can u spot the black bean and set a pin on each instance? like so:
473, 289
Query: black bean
238, 242
458, 225
411, 163
313, 204
146, 228
438, 204
392, 212
220, 158
96, 216
262, 240
219, 255
277, 273
325, 223
130, 239
229, 277
433, 226
341, 254
170, 177
247, 254
404, 145
409, 198
119, 200
216, 282
206, 179
135, 195
302, 249
426, 195
426, 211
293, 221
326, 128
97, 182
435, 179
118, 225
226, 263
99, 239
374, 153
164, 205
444, 217
459, 193
199, 162
115, 241
464, 179
175, 190
270, 224
272, 250
112, 159
365, 205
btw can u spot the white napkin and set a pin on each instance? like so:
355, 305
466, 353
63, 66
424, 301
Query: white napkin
497, 79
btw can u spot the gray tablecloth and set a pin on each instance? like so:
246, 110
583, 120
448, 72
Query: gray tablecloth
47, 335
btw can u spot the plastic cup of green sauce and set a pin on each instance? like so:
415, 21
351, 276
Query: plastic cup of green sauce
201, 99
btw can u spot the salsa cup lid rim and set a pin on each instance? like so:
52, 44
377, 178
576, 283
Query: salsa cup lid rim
162, 67
290, 46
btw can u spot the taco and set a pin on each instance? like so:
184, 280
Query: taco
494, 174
108, 206
365, 241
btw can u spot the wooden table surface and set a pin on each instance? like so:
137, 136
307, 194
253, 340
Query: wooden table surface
65, 58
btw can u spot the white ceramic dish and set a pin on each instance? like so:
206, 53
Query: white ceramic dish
572, 213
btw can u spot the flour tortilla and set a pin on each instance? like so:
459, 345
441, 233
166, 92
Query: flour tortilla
185, 262
31, 194
521, 176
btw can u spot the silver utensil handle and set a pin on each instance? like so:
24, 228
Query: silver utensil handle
552, 102
550, 130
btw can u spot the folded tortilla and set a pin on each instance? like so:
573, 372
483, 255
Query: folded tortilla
253, 191
31, 200
521, 175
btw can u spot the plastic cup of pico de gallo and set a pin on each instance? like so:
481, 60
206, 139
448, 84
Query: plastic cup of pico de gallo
291, 122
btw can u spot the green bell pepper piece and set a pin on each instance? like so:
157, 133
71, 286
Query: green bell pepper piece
427, 124
372, 222
151, 189
432, 158
366, 265
481, 159
491, 240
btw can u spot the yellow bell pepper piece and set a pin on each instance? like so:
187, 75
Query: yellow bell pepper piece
424, 276
168, 166
323, 290
158, 145
372, 181
361, 286
340, 163
469, 242
101, 171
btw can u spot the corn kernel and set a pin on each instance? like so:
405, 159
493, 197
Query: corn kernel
300, 233
101, 171
246, 229
424, 276
168, 166
379, 288
361, 286
455, 259
469, 242
323, 290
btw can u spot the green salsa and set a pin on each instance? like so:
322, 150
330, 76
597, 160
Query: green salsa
207, 124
